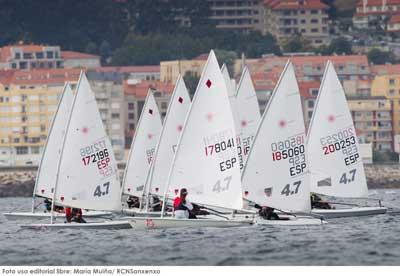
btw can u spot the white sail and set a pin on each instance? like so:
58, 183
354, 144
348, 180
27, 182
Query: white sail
235, 111
173, 124
248, 114
47, 172
275, 172
228, 82
335, 162
87, 174
142, 149
206, 161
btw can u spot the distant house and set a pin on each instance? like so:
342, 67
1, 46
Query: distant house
29, 57
384, 13
79, 60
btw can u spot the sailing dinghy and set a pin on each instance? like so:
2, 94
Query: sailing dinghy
275, 172
335, 163
164, 155
86, 172
47, 171
248, 115
142, 152
206, 160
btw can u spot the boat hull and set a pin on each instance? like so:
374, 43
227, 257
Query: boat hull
134, 212
350, 212
162, 223
108, 225
42, 215
291, 221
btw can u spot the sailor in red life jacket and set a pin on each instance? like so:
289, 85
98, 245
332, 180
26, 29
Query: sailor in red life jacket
183, 208
74, 214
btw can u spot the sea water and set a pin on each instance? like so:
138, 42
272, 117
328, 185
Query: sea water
371, 240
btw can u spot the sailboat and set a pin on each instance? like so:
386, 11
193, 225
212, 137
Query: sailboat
142, 152
172, 128
275, 174
47, 171
334, 158
206, 160
86, 172
235, 109
248, 115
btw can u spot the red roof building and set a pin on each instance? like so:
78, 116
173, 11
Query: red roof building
285, 18
372, 10
135, 95
29, 57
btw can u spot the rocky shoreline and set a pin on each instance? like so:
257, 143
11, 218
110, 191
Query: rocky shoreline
383, 176
17, 183
21, 183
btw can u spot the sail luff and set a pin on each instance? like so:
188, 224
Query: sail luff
45, 146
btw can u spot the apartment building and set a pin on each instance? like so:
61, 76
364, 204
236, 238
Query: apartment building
28, 57
28, 101
146, 72
238, 15
386, 83
135, 95
170, 70
285, 18
370, 12
309, 68
372, 118
109, 92
308, 92
73, 59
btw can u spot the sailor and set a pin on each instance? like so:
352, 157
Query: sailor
47, 204
267, 212
74, 215
317, 203
155, 203
133, 202
77, 215
182, 207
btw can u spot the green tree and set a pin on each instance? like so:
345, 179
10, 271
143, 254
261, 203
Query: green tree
228, 58
140, 49
337, 46
340, 46
91, 48
385, 156
377, 56
297, 43
105, 51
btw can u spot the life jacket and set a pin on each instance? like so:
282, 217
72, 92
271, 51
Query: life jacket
177, 202
68, 213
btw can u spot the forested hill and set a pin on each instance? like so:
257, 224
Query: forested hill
124, 32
